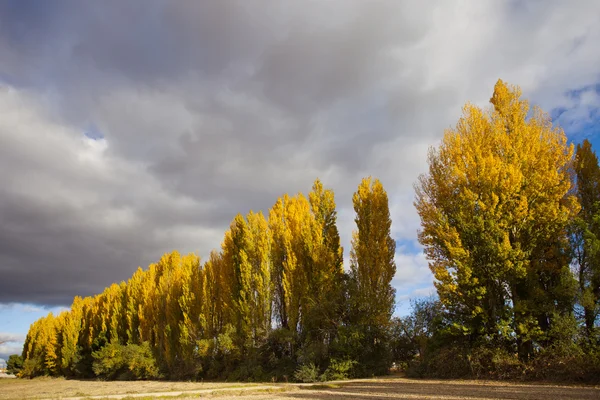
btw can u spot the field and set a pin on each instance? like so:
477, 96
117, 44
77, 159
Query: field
372, 389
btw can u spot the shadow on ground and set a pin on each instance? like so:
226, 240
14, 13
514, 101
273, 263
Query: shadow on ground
398, 389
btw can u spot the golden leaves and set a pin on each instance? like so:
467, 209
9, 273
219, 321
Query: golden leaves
497, 188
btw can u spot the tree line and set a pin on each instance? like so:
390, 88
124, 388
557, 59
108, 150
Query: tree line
274, 301
510, 224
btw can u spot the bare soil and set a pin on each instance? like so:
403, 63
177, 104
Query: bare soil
371, 389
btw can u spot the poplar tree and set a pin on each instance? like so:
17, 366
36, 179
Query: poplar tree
282, 259
586, 235
325, 290
258, 251
235, 257
372, 268
494, 205
69, 337
372, 264
216, 300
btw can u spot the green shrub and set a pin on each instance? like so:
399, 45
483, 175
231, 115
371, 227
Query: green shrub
494, 363
307, 373
30, 368
141, 362
339, 369
115, 361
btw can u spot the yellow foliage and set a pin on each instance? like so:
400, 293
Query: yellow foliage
497, 189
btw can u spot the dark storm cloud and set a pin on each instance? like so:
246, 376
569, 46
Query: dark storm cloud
202, 110
143, 40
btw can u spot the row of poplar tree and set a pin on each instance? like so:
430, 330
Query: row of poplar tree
274, 299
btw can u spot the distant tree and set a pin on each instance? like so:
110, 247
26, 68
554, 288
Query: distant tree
14, 364
585, 239
416, 329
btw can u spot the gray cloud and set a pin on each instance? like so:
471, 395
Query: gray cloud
206, 109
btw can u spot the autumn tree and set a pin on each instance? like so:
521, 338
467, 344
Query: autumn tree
258, 251
494, 206
307, 272
215, 292
372, 262
282, 260
40, 350
133, 297
372, 268
324, 295
585, 237
70, 328
235, 257
286, 223
179, 316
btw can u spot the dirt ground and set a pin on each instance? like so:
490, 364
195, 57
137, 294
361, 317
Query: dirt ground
55, 388
372, 389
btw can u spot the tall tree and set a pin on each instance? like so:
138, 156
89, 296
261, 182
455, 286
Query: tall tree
41, 350
70, 329
288, 223
372, 264
217, 301
325, 290
281, 258
372, 268
495, 198
586, 234
258, 251
133, 297
235, 256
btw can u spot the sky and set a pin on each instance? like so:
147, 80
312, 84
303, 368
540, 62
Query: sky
130, 129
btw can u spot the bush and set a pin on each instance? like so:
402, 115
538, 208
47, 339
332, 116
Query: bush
30, 368
307, 373
556, 363
339, 369
495, 363
444, 363
115, 361
566, 367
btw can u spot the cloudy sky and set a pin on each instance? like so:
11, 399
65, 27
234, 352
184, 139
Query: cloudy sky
132, 128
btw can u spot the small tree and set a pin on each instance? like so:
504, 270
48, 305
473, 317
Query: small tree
14, 364
411, 334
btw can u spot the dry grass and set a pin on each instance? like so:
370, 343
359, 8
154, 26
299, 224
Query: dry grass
372, 389
42, 388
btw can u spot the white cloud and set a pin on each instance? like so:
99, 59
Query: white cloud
29, 308
411, 269
8, 349
11, 337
